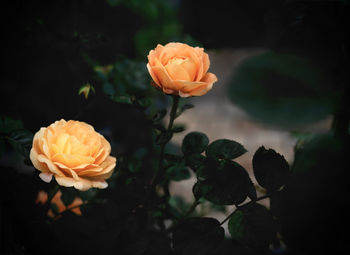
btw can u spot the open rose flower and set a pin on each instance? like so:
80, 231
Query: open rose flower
180, 69
74, 153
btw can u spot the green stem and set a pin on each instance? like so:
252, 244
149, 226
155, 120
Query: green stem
237, 207
188, 213
173, 112
160, 170
192, 208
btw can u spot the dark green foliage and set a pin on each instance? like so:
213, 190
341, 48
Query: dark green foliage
98, 228
224, 184
2, 146
13, 132
225, 149
159, 115
309, 151
197, 236
126, 81
194, 142
178, 172
220, 180
282, 90
59, 53
163, 138
87, 195
182, 108
271, 170
160, 24
230, 247
150, 242
54, 208
21, 141
68, 195
311, 206
7, 125
253, 225
173, 157
200, 190
196, 161
178, 205
134, 162
178, 128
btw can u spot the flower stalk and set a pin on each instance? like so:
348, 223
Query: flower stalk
160, 171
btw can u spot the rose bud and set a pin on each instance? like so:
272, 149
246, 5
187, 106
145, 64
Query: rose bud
180, 69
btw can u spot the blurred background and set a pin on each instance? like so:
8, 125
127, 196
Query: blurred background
282, 68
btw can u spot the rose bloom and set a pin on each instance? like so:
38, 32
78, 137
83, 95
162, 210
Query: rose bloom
180, 69
74, 206
74, 153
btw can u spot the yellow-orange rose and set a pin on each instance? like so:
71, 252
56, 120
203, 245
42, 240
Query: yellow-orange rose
180, 69
74, 153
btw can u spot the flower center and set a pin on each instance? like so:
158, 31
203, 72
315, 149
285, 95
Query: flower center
177, 60
69, 144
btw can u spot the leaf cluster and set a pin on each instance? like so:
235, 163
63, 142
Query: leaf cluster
13, 133
223, 181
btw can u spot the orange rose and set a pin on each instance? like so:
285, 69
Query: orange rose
180, 69
74, 153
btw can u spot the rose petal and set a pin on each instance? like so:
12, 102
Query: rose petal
201, 91
100, 184
82, 184
104, 151
169, 91
36, 140
106, 167
182, 94
197, 88
37, 164
177, 72
67, 170
209, 78
187, 86
158, 50
199, 69
206, 63
190, 66
51, 167
46, 177
84, 167
154, 77
163, 77
72, 160
75, 147
167, 53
